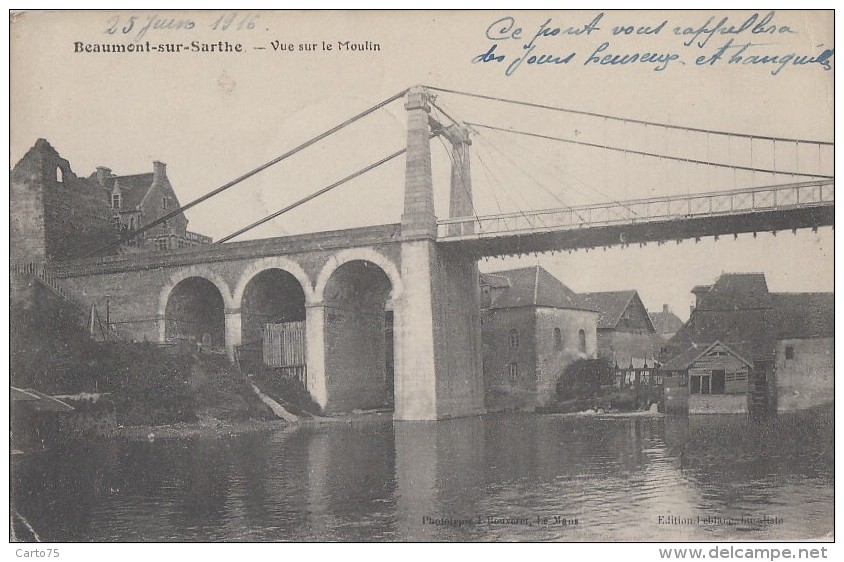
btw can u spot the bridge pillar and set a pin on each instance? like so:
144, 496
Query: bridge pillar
161, 326
233, 331
438, 371
315, 352
460, 202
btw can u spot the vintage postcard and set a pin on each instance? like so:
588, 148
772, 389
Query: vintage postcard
422, 276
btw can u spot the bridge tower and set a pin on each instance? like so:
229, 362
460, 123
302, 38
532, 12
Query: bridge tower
438, 343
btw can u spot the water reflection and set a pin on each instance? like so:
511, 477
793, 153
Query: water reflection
501, 477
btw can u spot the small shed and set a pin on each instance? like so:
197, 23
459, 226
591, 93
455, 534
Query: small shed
717, 378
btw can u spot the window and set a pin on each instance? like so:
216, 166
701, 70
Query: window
514, 371
581, 341
115, 200
163, 202
161, 244
558, 338
131, 223
59, 175
789, 352
514, 338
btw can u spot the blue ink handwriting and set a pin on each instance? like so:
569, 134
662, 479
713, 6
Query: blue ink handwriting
763, 26
660, 60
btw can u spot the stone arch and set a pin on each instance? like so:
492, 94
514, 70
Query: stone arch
359, 254
273, 262
193, 271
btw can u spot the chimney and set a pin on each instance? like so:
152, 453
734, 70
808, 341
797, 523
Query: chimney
691, 309
699, 292
665, 309
159, 170
102, 174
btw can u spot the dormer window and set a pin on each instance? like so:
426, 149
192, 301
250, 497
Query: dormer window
115, 200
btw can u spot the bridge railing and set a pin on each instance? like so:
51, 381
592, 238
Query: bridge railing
654, 209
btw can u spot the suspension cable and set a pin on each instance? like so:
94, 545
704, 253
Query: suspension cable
312, 196
262, 167
651, 154
615, 118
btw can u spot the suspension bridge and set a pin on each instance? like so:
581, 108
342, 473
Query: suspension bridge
417, 279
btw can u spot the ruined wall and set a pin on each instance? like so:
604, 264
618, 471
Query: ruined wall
55, 215
27, 235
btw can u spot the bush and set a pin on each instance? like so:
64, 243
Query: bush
150, 387
221, 391
52, 352
583, 379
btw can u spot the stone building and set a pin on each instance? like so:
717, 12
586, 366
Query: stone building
626, 337
745, 349
57, 215
137, 200
532, 327
804, 349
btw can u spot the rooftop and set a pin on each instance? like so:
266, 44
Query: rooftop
611, 305
531, 286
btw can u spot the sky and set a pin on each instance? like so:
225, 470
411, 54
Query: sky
214, 116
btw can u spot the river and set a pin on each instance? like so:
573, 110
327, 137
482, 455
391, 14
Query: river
502, 477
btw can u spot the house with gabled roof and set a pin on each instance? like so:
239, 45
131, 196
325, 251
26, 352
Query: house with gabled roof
666, 323
738, 352
532, 327
139, 199
626, 335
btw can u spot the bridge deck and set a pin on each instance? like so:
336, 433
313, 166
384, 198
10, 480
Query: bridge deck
782, 207
282, 245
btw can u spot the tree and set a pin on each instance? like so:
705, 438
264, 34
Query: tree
582, 379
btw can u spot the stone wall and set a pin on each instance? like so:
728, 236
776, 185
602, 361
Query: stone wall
551, 359
355, 360
54, 214
806, 380
457, 336
27, 235
500, 391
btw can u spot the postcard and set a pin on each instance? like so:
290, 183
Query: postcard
422, 276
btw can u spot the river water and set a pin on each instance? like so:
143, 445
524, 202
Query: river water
496, 477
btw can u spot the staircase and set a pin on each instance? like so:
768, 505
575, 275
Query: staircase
40, 273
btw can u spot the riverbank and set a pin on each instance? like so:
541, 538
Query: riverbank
211, 427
